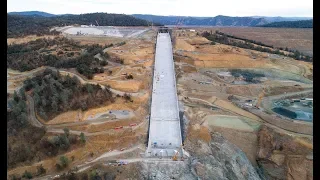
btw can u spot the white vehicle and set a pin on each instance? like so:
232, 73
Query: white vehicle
56, 176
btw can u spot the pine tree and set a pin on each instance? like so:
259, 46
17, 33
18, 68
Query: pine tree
82, 138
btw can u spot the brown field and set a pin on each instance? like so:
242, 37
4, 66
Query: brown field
103, 40
299, 39
224, 56
27, 39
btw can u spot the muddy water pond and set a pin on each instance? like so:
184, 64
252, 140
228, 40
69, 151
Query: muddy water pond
297, 111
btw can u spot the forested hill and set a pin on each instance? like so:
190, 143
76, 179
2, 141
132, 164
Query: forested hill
291, 24
26, 25
204, 21
32, 13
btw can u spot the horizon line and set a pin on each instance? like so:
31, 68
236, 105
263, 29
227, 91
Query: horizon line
165, 15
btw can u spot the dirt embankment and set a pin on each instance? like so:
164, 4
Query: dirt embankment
284, 157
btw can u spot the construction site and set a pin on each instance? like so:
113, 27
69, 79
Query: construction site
196, 109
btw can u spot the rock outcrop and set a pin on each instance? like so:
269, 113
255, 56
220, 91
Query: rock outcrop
218, 159
285, 157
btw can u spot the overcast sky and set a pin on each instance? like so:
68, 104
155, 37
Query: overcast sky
208, 8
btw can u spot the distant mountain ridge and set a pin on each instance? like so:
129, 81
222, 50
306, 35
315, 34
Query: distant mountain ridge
219, 20
32, 13
279, 18
204, 21
290, 24
216, 21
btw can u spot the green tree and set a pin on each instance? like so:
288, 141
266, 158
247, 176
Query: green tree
56, 141
66, 131
82, 138
22, 93
27, 175
22, 119
93, 175
64, 142
297, 55
64, 95
54, 105
15, 96
36, 98
42, 113
64, 161
14, 177
22, 105
89, 88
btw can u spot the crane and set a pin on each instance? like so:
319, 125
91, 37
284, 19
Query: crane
97, 22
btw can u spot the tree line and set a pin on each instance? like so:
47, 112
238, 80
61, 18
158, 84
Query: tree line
250, 44
291, 24
244, 39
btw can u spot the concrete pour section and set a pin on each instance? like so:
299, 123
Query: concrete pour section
164, 133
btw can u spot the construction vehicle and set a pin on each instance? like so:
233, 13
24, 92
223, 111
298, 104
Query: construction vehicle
97, 22
175, 156
261, 95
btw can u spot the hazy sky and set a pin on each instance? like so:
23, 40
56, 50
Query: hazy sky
286, 8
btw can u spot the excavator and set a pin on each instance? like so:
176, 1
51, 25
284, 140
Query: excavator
175, 156
261, 95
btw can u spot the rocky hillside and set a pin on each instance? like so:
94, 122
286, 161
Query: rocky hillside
284, 157
218, 159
